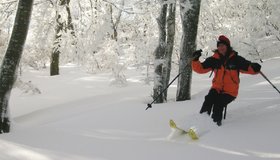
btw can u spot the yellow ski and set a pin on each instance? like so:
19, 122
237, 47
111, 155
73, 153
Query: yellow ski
191, 132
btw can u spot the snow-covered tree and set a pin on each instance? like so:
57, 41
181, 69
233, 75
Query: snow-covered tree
252, 26
63, 24
12, 58
159, 55
263, 39
164, 50
171, 22
190, 15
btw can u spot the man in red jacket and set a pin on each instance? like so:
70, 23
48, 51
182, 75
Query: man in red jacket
226, 65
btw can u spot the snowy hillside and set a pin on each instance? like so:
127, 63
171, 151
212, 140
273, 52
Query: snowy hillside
79, 116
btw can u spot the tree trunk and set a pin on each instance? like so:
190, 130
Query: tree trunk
159, 56
12, 58
54, 70
115, 23
189, 15
61, 26
170, 45
70, 25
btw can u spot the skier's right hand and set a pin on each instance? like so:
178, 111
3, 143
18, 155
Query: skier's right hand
196, 55
256, 67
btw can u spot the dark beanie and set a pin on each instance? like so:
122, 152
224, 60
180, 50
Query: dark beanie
224, 40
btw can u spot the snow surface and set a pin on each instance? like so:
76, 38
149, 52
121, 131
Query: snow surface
79, 116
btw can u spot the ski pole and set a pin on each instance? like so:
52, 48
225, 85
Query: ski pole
270, 82
150, 104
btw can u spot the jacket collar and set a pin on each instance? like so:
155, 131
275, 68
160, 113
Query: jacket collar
220, 56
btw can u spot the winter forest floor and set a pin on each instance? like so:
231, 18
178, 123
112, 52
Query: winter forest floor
80, 116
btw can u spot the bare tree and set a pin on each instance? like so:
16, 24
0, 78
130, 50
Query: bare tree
115, 23
159, 55
12, 58
189, 16
169, 44
164, 50
62, 26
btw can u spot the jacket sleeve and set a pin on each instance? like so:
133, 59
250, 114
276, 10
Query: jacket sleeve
204, 67
245, 66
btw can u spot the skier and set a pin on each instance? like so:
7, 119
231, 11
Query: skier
226, 65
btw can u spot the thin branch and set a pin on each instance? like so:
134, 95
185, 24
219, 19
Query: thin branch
127, 10
51, 2
9, 2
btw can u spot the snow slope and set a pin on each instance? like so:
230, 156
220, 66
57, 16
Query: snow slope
80, 116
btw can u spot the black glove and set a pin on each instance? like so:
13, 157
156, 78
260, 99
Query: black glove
256, 67
196, 55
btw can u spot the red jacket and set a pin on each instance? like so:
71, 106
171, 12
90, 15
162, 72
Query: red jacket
226, 71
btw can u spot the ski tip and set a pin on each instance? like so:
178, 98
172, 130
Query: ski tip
192, 134
172, 124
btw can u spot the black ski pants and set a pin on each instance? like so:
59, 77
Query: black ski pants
216, 102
